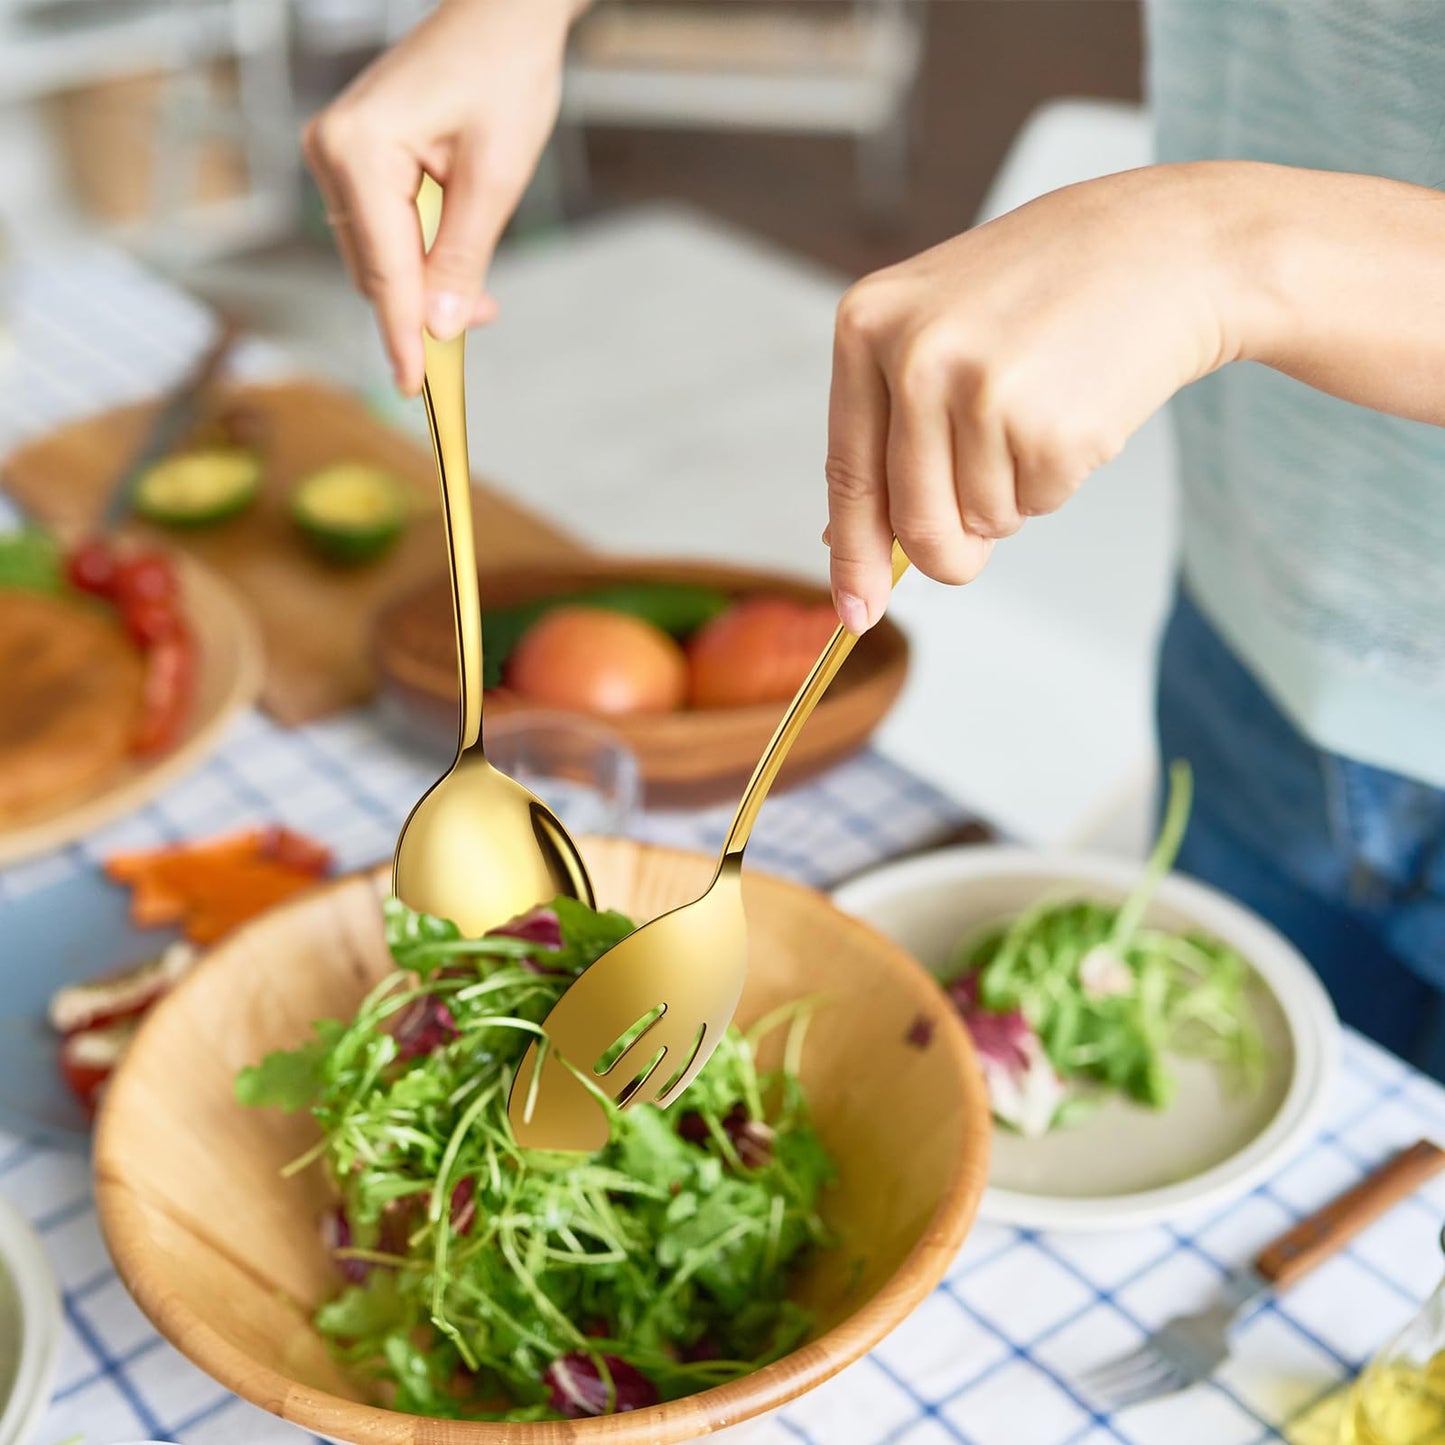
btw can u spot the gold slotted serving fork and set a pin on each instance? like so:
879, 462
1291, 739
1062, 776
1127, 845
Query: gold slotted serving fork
667, 991
479, 848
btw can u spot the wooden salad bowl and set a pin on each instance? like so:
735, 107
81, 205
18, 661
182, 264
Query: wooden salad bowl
224, 1256
692, 755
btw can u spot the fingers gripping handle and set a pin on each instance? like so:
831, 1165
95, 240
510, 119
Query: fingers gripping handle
799, 711
444, 392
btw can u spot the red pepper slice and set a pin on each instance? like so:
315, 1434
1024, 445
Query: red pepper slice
151, 620
169, 687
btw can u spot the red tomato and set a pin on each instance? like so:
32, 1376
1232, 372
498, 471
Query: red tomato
148, 577
91, 567
169, 685
759, 650
149, 620
588, 660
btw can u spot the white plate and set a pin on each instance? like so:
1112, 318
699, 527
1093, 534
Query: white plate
29, 1328
1127, 1165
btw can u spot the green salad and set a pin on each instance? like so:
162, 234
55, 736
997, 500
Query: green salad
1077, 1000
482, 1281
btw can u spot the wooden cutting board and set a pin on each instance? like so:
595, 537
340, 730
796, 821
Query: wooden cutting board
315, 618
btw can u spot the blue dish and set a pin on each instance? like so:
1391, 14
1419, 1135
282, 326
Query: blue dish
71, 932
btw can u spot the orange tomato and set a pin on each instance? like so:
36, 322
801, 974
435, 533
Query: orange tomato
758, 651
588, 660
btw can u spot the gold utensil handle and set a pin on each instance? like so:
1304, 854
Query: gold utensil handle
799, 711
444, 391
1312, 1241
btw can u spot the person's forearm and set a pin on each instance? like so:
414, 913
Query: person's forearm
1340, 282
567, 10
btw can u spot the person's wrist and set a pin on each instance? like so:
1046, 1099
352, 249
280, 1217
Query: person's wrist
565, 11
1255, 249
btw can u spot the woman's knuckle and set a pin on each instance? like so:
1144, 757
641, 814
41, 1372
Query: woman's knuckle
1047, 477
991, 520
929, 365
857, 320
372, 278
927, 541
333, 137
847, 481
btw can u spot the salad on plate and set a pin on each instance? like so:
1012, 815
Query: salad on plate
1075, 1000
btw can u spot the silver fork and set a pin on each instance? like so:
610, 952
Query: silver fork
1190, 1348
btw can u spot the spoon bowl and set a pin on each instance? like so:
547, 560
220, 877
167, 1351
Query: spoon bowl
479, 849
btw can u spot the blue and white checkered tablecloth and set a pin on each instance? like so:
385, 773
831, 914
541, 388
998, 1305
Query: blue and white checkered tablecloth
992, 1356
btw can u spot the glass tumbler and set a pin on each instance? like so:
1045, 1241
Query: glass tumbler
581, 769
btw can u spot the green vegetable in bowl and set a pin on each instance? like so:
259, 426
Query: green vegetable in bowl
1075, 999
201, 488
485, 1282
350, 512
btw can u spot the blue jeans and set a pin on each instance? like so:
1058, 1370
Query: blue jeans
1347, 861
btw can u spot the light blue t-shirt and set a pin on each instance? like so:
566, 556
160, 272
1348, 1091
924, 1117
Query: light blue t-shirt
1314, 529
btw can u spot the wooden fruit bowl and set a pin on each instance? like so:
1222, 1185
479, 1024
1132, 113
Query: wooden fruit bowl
693, 755
224, 1256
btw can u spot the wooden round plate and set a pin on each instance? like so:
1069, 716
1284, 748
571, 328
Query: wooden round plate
228, 678
692, 755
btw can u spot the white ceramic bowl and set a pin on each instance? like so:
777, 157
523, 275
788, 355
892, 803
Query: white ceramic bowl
1127, 1165
29, 1328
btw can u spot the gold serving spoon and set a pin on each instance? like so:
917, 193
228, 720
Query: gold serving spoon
645, 1017
478, 848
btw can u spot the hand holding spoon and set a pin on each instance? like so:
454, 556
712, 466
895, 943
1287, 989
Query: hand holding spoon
479, 848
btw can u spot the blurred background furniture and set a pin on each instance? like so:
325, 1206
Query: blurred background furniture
172, 123
819, 68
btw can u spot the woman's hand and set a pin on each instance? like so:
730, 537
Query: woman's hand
979, 383
470, 96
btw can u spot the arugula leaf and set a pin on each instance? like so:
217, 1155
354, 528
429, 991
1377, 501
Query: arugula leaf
288, 1079
586, 934
410, 936
373, 1308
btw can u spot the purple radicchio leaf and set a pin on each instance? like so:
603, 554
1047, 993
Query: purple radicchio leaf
539, 926
425, 1025
577, 1388
751, 1138
336, 1235
464, 1205
1024, 1088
